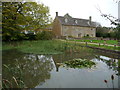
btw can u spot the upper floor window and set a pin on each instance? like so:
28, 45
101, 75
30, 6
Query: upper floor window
66, 20
76, 21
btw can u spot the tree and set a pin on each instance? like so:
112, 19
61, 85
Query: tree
12, 18
37, 15
115, 21
20, 16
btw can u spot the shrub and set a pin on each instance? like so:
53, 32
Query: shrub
70, 36
13, 36
29, 36
44, 35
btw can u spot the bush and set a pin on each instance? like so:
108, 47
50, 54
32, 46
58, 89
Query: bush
13, 36
29, 36
44, 35
70, 36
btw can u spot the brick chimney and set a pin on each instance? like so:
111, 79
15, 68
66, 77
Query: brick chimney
90, 19
56, 14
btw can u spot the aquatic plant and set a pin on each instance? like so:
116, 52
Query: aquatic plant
16, 80
79, 63
112, 78
106, 82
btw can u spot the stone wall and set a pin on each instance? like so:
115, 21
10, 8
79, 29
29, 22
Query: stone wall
77, 31
57, 28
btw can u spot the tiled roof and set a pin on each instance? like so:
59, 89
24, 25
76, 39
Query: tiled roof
68, 20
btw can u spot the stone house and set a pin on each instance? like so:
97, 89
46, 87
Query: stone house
75, 27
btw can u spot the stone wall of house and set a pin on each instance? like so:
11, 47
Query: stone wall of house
57, 27
77, 31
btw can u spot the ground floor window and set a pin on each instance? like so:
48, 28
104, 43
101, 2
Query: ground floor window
79, 35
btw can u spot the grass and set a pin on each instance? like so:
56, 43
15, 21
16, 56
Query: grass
101, 46
48, 46
38, 47
99, 41
105, 47
16, 78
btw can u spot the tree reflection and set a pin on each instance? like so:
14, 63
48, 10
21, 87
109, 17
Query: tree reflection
119, 73
84, 53
35, 68
112, 63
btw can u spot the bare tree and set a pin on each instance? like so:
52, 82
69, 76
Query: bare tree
114, 21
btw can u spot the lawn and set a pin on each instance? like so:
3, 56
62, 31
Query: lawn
39, 47
105, 47
99, 41
112, 42
48, 46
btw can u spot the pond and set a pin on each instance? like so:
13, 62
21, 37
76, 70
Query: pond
45, 71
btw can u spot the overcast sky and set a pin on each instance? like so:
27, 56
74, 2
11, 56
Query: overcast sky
83, 9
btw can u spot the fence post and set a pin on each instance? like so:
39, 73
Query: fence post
75, 42
114, 45
86, 43
104, 43
99, 44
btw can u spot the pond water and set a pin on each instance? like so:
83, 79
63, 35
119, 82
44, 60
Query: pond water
44, 71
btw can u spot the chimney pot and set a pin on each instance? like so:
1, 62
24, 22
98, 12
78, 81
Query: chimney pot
90, 19
56, 14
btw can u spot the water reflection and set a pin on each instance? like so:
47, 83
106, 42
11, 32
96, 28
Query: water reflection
111, 62
45, 71
83, 54
35, 68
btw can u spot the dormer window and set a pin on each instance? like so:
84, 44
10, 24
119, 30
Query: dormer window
66, 20
88, 23
76, 21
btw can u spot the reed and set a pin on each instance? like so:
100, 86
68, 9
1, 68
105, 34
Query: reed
14, 81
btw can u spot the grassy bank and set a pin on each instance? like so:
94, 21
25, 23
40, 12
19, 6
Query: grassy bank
96, 44
105, 47
49, 46
39, 47
112, 42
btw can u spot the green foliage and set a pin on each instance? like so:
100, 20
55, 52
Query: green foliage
16, 77
12, 18
30, 36
99, 41
79, 63
118, 32
44, 35
105, 32
51, 46
18, 16
70, 36
37, 47
37, 15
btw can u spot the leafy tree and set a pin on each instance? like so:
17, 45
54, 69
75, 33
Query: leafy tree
12, 18
37, 15
105, 32
19, 16
113, 21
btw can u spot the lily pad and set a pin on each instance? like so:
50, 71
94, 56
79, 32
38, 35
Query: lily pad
79, 63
